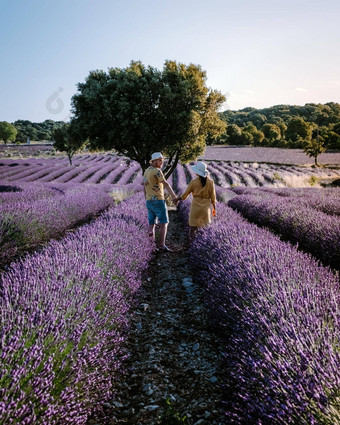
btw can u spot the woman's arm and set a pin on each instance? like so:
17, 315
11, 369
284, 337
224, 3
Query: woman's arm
213, 194
187, 192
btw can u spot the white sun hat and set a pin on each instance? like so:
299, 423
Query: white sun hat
156, 155
201, 169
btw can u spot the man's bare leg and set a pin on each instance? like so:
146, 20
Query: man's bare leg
162, 233
152, 232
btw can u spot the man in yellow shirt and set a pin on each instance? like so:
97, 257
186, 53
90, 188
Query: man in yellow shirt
154, 184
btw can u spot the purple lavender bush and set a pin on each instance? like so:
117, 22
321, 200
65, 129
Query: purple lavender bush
63, 319
278, 311
314, 231
326, 200
38, 212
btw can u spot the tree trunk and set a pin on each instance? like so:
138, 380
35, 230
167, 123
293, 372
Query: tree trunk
70, 158
170, 167
144, 165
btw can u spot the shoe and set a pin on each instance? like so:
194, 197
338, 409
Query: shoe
165, 248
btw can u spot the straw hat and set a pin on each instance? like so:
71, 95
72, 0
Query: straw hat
156, 155
201, 169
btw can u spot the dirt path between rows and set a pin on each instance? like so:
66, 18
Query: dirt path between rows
174, 358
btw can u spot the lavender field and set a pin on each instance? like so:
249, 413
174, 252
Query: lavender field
63, 317
279, 311
113, 169
31, 214
272, 290
312, 220
26, 151
269, 155
212, 153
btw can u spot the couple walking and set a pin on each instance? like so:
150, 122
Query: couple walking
202, 188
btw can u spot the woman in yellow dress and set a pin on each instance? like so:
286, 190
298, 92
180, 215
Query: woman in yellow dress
204, 195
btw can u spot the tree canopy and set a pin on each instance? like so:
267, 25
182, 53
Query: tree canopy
315, 147
68, 138
139, 110
7, 131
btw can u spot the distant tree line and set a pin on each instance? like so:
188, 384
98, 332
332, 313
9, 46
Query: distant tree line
18, 131
285, 126
139, 109
36, 131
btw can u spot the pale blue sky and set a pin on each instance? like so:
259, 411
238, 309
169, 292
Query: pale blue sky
258, 53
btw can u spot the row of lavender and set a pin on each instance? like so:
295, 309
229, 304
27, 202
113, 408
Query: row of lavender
34, 213
111, 169
310, 220
231, 174
326, 200
90, 169
279, 312
63, 318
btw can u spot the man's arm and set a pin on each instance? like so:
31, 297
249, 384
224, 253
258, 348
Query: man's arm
169, 189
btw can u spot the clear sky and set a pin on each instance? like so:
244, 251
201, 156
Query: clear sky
258, 53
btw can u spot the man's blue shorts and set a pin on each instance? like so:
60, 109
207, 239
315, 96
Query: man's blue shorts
158, 209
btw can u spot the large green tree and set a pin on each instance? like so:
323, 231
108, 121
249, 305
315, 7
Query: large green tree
139, 110
7, 131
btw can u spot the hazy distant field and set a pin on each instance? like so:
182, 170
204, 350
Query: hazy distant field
270, 155
25, 151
